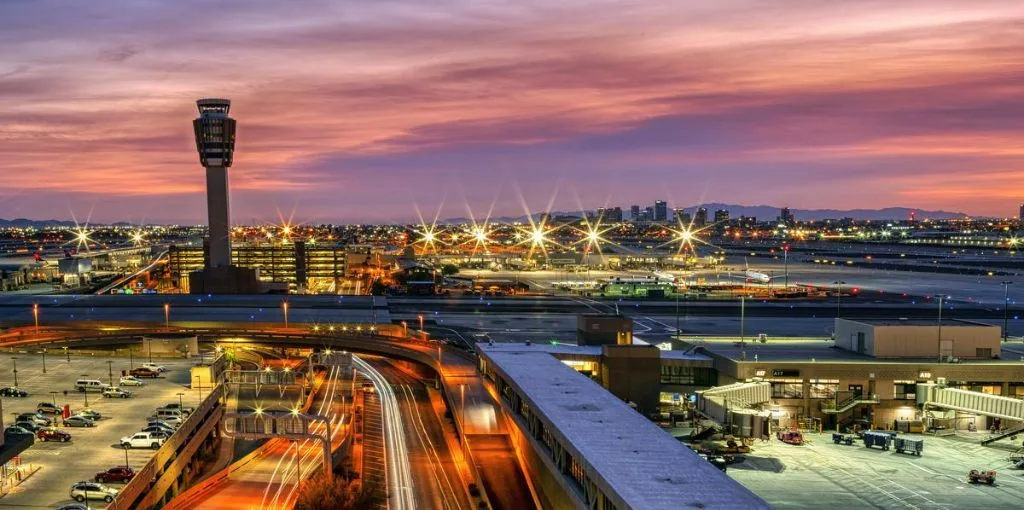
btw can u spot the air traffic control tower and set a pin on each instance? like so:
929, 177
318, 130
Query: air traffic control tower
215, 141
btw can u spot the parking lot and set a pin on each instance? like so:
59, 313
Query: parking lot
91, 450
822, 473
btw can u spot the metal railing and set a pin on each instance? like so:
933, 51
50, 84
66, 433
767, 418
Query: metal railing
152, 480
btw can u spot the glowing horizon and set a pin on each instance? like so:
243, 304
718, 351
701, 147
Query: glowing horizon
352, 114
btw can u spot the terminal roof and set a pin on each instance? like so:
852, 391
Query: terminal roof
626, 454
560, 348
920, 322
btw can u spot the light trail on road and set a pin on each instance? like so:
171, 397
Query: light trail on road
399, 470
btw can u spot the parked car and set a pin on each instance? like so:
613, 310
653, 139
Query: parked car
47, 408
78, 421
154, 367
74, 506
16, 430
115, 392
162, 424
130, 380
83, 491
28, 425
142, 440
35, 417
144, 372
180, 408
12, 391
90, 414
115, 474
168, 415
161, 429
52, 434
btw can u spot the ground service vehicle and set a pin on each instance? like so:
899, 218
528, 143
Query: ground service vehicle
913, 446
846, 439
880, 439
982, 476
793, 437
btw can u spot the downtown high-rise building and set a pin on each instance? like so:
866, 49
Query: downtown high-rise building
634, 212
1021, 215
786, 217
660, 210
721, 216
700, 218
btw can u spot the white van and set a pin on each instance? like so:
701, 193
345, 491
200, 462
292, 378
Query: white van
90, 385
169, 415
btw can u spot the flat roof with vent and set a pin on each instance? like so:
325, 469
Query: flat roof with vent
624, 453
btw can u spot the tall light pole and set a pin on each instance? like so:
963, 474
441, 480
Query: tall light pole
940, 329
15, 360
110, 371
131, 358
180, 405
785, 262
1006, 308
44, 359
743, 314
420, 317
85, 393
284, 308
67, 352
53, 398
839, 294
35, 315
167, 315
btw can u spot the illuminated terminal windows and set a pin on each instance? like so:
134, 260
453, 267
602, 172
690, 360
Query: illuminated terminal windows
317, 269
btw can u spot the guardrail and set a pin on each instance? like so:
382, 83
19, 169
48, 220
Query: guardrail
152, 481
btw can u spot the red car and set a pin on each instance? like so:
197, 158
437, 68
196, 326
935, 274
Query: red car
52, 434
144, 372
115, 474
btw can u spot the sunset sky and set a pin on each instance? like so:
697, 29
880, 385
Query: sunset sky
357, 110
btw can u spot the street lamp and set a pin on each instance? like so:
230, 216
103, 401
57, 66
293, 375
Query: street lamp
420, 317
180, 405
67, 352
85, 393
284, 307
110, 371
35, 315
167, 316
131, 359
785, 262
44, 359
53, 397
125, 448
15, 360
839, 294
1006, 308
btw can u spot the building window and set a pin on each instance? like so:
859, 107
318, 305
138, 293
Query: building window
576, 472
695, 376
824, 388
905, 390
788, 388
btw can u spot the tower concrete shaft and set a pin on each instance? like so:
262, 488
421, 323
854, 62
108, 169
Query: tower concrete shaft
215, 141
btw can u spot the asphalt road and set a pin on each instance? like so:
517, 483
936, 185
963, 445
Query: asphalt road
436, 476
91, 450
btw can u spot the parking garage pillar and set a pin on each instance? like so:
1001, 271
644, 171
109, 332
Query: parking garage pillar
807, 398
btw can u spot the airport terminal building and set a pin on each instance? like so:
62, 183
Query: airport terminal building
870, 373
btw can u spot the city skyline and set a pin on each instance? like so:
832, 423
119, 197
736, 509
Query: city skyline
353, 114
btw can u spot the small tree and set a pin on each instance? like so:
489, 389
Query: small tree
338, 494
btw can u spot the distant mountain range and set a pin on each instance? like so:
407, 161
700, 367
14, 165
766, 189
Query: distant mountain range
767, 212
24, 223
